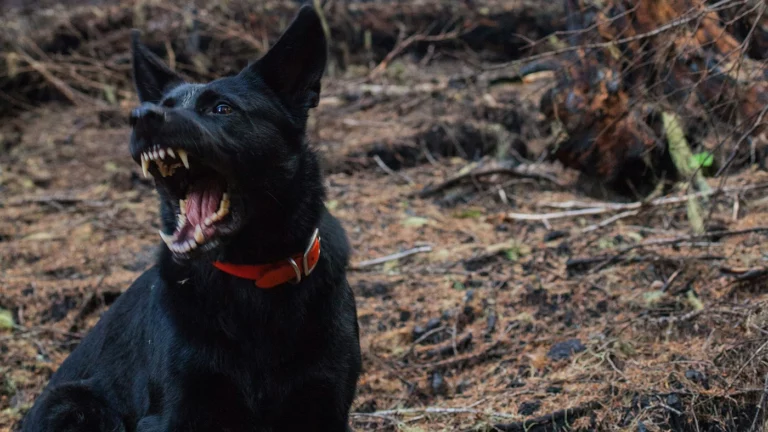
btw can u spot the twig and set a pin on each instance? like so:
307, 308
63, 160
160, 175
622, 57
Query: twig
611, 220
524, 171
580, 265
746, 363
431, 410
600, 208
658, 201
451, 349
407, 42
60, 85
760, 406
557, 215
676, 240
423, 337
670, 280
557, 417
390, 171
391, 257
53, 200
721, 5
670, 409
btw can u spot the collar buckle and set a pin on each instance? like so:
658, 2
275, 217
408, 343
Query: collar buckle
315, 238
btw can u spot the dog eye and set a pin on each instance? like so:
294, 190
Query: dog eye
222, 109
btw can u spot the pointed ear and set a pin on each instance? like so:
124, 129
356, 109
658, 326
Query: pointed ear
151, 76
293, 67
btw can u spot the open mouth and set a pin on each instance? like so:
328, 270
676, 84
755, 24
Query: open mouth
198, 195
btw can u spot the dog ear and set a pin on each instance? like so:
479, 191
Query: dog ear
293, 67
151, 77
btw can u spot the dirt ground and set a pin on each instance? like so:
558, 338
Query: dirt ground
611, 321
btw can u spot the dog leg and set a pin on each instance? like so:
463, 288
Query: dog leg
72, 407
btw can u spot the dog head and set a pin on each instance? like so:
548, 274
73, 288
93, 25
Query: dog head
225, 155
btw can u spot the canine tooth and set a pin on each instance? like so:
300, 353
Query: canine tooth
183, 157
224, 201
223, 208
145, 165
199, 237
170, 152
166, 238
162, 153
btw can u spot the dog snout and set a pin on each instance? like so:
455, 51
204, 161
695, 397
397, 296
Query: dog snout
148, 116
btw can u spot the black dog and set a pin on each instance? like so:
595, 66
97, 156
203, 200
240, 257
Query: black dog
247, 322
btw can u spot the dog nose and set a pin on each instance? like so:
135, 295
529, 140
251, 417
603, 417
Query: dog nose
147, 116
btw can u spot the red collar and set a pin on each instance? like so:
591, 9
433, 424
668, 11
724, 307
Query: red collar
278, 273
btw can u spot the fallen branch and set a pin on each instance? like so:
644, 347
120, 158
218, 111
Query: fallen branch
523, 171
390, 171
451, 349
431, 410
392, 257
57, 201
601, 208
410, 40
611, 220
60, 85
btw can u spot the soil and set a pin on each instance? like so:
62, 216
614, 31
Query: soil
534, 325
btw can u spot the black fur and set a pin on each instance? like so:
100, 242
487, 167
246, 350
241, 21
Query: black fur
190, 348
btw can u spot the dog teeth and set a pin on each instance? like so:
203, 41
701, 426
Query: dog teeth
158, 155
168, 239
183, 207
199, 237
181, 220
208, 222
145, 165
223, 207
183, 157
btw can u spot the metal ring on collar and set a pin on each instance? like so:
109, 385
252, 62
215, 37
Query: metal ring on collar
296, 270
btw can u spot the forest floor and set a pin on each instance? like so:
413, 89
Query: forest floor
610, 321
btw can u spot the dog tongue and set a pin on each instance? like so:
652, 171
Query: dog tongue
203, 198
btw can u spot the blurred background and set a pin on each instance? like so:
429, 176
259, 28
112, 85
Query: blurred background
557, 208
